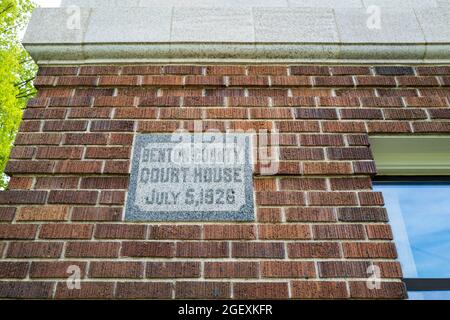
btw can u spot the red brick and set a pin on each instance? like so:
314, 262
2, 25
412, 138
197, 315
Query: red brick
379, 231
182, 69
30, 126
112, 197
116, 269
293, 81
414, 81
439, 113
263, 92
202, 290
141, 69
228, 113
269, 215
55, 269
314, 250
77, 81
389, 127
332, 198
426, 102
107, 153
404, 114
158, 126
89, 290
22, 167
220, 92
303, 184
20, 183
42, 213
104, 183
13, 270
22, 197
85, 138
361, 114
90, 113
358, 140
188, 232
310, 70
248, 102
349, 70
319, 290
371, 199
280, 198
26, 250
338, 232
335, 81
7, 214
301, 154
311, 113
293, 101
147, 249
96, 214
160, 102
327, 168
162, 81
288, 269
56, 71
66, 231
310, 93
26, 290
341, 126
378, 102
339, 102
433, 70
271, 113
388, 290
257, 250
231, 270
344, 269
397, 92
284, 231
144, 290
112, 125
364, 167
38, 139
96, 70
362, 214
66, 125
355, 92
177, 113
261, 290
92, 249
310, 215
59, 153
204, 81
83, 167
118, 81
378, 81
135, 113
317, 140
173, 270
202, 249
225, 70
248, 81
117, 231
55, 182
390, 269
369, 250
73, 197
430, 127
124, 139
117, 167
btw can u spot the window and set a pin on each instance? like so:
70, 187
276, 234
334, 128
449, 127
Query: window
414, 177
419, 213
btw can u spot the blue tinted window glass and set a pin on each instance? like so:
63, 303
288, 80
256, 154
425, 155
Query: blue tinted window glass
429, 295
420, 218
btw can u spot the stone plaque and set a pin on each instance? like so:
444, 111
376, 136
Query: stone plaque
191, 177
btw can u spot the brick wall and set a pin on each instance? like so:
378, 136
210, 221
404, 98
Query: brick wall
319, 225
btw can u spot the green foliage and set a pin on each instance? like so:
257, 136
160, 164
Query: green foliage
17, 71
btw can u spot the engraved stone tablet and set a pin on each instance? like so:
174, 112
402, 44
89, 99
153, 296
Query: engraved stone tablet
191, 177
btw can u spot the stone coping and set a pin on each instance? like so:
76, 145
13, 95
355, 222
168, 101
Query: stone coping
113, 34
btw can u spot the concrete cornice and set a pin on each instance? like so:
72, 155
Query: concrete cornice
237, 34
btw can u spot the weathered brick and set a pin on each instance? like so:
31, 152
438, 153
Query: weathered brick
104, 183
349, 70
112, 197
362, 214
141, 69
361, 114
21, 167
375, 81
371, 198
162, 81
310, 70
344, 269
226, 70
74, 167
20, 183
310, 113
107, 153
248, 81
303, 184
316, 140
55, 182
280, 198
269, 215
59, 153
96, 214
291, 81
379, 231
135, 113
350, 183
327, 168
404, 114
301, 154
177, 113
38, 139
343, 126
65, 125
85, 138
7, 214
112, 125
335, 81
394, 70
332, 198
96, 70
77, 81
389, 127
118, 81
